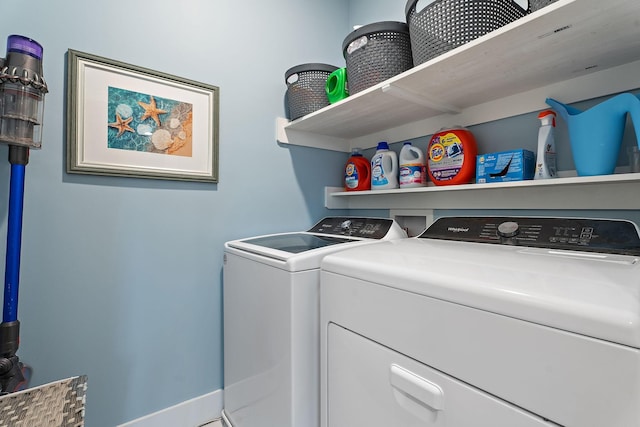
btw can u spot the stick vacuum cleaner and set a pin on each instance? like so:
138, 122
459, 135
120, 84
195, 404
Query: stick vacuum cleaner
22, 90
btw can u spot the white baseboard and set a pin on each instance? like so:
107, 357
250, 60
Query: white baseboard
191, 413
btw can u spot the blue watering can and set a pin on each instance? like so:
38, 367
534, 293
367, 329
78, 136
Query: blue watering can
596, 134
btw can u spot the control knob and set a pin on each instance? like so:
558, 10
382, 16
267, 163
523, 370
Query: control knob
346, 226
508, 229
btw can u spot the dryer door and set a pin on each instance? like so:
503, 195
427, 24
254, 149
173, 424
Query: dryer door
371, 385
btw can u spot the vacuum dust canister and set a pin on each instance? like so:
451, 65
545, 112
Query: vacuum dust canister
22, 90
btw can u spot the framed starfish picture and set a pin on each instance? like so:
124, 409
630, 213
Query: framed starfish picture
131, 121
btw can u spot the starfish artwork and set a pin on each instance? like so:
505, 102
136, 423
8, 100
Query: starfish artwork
122, 124
152, 111
149, 123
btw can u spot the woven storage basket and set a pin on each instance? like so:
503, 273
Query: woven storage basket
539, 4
306, 91
446, 24
375, 53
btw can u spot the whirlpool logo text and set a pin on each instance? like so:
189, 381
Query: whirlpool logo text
458, 229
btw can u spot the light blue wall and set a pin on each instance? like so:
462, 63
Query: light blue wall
121, 277
363, 12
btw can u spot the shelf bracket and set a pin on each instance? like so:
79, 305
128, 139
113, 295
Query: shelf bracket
287, 136
419, 99
334, 202
281, 135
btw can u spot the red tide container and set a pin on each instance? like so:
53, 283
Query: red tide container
451, 157
357, 172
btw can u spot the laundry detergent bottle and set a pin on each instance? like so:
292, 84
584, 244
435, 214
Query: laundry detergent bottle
357, 172
451, 157
384, 168
413, 167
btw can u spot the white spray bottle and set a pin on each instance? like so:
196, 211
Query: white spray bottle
546, 158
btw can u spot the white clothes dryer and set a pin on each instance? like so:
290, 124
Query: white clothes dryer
271, 319
485, 322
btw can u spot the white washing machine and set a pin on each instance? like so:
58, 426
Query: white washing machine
496, 322
271, 319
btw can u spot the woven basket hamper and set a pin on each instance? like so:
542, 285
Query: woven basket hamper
376, 52
306, 91
446, 24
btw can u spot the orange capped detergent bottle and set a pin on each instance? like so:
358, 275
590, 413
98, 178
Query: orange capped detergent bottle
357, 172
451, 157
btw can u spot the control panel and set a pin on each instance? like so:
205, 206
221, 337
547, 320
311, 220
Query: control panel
578, 234
371, 228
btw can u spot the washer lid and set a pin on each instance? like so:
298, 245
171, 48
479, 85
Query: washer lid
291, 243
327, 232
299, 251
592, 294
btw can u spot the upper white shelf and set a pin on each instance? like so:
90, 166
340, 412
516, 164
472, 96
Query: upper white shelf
570, 50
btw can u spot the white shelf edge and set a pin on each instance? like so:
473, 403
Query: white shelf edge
590, 193
287, 136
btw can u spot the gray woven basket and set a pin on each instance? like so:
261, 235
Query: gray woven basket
539, 4
57, 404
446, 24
306, 88
375, 53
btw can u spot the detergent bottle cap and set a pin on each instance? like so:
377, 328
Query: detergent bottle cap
356, 151
383, 146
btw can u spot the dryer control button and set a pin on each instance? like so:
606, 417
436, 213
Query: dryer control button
508, 229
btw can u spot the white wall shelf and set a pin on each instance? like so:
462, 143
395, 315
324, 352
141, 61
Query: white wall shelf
618, 191
570, 50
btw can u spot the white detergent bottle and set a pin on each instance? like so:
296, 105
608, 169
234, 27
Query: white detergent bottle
546, 156
413, 167
384, 168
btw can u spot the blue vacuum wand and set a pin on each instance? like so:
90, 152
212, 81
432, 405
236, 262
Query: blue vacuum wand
22, 90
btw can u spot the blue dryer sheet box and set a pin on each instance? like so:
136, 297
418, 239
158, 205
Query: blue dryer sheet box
514, 165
